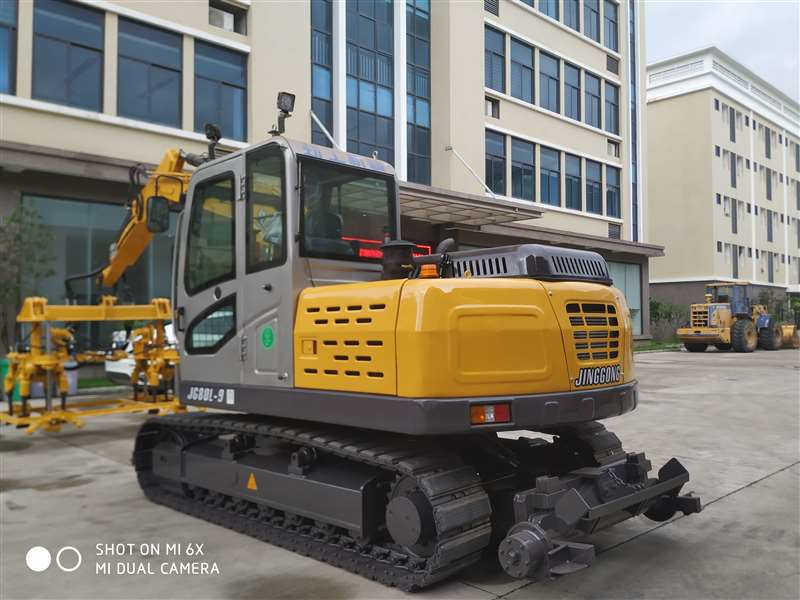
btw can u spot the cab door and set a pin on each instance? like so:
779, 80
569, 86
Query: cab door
266, 286
207, 299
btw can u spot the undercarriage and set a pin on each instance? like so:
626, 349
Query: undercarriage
403, 510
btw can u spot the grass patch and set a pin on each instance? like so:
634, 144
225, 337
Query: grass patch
94, 382
650, 345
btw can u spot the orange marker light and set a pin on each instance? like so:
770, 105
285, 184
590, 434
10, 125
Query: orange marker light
428, 271
480, 414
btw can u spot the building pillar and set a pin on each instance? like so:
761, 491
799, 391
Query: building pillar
24, 49
110, 64
400, 87
753, 216
187, 105
785, 226
339, 51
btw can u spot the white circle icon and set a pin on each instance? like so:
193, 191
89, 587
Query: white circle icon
77, 563
38, 559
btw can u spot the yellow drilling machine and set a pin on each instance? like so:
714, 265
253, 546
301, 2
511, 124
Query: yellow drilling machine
50, 348
728, 319
362, 390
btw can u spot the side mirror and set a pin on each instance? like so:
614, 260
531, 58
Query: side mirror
157, 214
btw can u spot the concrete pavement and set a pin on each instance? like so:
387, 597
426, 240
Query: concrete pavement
732, 419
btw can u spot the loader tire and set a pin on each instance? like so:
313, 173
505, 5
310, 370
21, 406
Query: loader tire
770, 337
744, 336
695, 347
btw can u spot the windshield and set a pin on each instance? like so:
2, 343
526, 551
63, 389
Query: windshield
347, 213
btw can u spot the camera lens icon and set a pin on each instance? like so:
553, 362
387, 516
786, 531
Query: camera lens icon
68, 559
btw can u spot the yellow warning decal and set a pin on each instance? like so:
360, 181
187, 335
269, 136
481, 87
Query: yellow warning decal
251, 482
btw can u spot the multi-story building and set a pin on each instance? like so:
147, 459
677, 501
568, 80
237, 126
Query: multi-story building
723, 177
543, 143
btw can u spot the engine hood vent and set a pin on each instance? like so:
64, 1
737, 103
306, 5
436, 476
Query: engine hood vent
532, 260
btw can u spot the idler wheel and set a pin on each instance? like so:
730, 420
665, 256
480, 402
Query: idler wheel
409, 519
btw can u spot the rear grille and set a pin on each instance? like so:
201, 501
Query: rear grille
699, 315
595, 331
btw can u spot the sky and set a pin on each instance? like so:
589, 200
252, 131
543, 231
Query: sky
763, 35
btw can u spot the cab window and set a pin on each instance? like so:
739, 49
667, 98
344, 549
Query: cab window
266, 210
210, 255
346, 212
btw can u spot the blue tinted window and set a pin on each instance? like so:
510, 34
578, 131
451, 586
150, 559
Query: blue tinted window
550, 174
494, 59
68, 54
591, 19
549, 7
548, 82
592, 106
370, 83
521, 71
220, 89
573, 182
572, 14
612, 192
321, 70
496, 162
522, 169
572, 92
612, 108
418, 64
149, 73
594, 197
8, 46
610, 31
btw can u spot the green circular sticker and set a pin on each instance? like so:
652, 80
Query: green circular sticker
267, 337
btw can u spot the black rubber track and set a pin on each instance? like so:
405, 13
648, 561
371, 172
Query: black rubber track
461, 507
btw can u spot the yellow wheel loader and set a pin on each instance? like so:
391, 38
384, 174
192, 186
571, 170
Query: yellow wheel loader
727, 319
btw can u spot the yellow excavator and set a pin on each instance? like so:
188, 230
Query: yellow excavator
361, 390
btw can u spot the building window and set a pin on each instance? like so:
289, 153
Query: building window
746, 121
612, 192
612, 108
627, 278
149, 73
8, 46
613, 148
716, 150
719, 246
496, 162
716, 104
733, 170
768, 178
492, 107
521, 71
572, 92
797, 157
719, 198
68, 54
732, 124
550, 174
227, 17
548, 82
549, 7
591, 109
594, 187
573, 182
769, 225
610, 10
746, 163
321, 69
522, 170
220, 89
370, 79
734, 215
494, 56
797, 193
572, 11
418, 58
78, 237
767, 143
591, 19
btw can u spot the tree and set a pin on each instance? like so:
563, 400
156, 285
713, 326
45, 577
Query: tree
26, 260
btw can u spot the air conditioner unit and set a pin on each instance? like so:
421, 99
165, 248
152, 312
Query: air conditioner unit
220, 18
